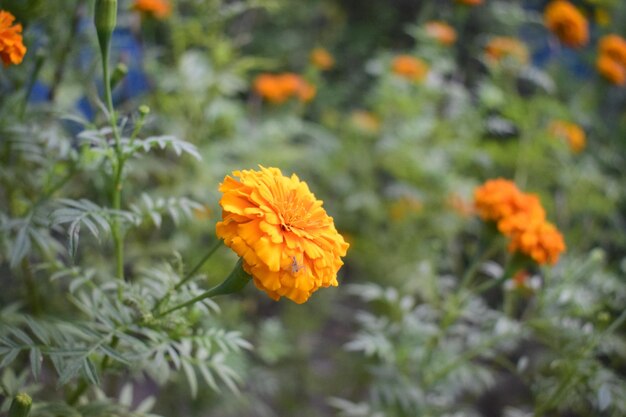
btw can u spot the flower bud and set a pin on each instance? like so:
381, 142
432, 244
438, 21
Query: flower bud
144, 110
119, 73
20, 406
105, 18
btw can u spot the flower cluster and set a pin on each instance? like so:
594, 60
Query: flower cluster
611, 63
503, 47
159, 9
278, 88
520, 217
567, 23
287, 242
441, 32
322, 59
12, 49
409, 67
573, 134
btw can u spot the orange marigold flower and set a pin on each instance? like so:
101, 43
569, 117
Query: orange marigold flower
409, 67
159, 9
504, 47
441, 32
281, 87
287, 242
611, 70
567, 23
540, 240
497, 199
614, 47
470, 2
521, 218
570, 132
322, 59
12, 49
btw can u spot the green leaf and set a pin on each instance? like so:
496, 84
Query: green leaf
90, 371
35, 362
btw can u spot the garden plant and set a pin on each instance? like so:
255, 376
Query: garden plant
269, 208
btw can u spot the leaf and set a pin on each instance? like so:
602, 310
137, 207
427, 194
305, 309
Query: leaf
21, 246
9, 357
35, 362
191, 378
605, 399
90, 371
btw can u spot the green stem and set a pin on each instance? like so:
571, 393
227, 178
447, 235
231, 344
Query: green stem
196, 268
237, 279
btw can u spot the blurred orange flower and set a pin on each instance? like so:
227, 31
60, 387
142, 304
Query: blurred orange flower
322, 59
12, 49
441, 32
470, 2
611, 62
409, 67
521, 218
159, 9
504, 47
567, 23
278, 88
365, 121
570, 132
287, 242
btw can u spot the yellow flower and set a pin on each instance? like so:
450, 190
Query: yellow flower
409, 67
441, 32
159, 9
322, 59
567, 23
287, 242
503, 47
12, 49
570, 132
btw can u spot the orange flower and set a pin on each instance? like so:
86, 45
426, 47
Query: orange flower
540, 240
470, 2
567, 23
521, 218
281, 87
409, 67
503, 47
441, 32
289, 245
614, 47
611, 70
322, 59
497, 199
570, 132
159, 9
12, 49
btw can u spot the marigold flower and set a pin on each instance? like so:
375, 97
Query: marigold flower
470, 2
12, 49
567, 23
520, 217
322, 59
159, 9
611, 70
504, 47
497, 199
539, 240
287, 242
570, 132
278, 88
614, 47
409, 67
441, 32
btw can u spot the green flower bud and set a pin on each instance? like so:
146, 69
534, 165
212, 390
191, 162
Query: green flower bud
119, 73
20, 407
144, 110
105, 18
